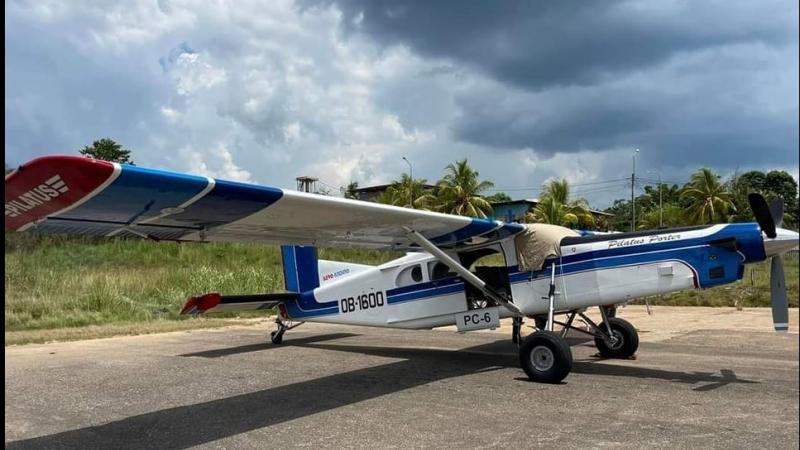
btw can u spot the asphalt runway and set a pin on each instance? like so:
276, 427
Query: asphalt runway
350, 387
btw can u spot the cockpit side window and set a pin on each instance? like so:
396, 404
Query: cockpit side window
438, 270
409, 275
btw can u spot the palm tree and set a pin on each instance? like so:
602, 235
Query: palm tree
556, 208
709, 200
460, 192
351, 191
408, 193
673, 215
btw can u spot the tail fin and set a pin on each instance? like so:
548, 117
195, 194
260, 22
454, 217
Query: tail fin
300, 268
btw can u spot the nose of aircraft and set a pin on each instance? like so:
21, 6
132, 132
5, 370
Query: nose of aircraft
784, 241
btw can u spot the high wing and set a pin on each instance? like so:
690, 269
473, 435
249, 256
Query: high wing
78, 195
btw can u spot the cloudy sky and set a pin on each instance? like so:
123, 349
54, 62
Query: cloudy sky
343, 89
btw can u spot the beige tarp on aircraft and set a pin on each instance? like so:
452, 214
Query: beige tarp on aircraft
538, 242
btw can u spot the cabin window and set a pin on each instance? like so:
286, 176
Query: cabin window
438, 270
409, 275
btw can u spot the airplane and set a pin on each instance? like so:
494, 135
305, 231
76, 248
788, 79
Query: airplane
547, 272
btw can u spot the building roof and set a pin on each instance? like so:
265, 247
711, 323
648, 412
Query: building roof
382, 187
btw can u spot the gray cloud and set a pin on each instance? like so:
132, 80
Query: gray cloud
539, 44
716, 79
342, 90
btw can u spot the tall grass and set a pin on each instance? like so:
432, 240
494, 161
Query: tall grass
54, 281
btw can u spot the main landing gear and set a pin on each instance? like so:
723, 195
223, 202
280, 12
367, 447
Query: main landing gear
546, 357
277, 336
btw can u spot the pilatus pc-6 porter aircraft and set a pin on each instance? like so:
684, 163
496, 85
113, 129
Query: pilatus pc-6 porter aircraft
548, 272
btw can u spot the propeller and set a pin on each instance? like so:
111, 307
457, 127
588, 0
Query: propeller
769, 218
763, 213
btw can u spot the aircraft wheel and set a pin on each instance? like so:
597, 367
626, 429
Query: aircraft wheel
276, 337
540, 322
545, 357
627, 339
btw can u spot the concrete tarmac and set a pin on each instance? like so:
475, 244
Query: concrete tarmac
352, 387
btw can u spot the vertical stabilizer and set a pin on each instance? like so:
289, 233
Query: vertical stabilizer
300, 268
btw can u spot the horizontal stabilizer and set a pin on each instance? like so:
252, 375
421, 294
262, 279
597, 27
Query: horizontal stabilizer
214, 302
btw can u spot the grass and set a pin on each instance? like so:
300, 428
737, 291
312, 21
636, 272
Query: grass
55, 284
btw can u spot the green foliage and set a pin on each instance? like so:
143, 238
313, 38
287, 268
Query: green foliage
8, 169
352, 190
555, 207
108, 150
58, 281
460, 191
772, 184
671, 216
708, 197
408, 193
498, 198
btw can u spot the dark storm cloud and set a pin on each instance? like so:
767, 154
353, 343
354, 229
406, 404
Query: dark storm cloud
539, 44
716, 80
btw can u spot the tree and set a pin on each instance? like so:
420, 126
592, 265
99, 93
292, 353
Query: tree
708, 197
556, 208
408, 193
352, 190
672, 215
8, 169
778, 183
740, 185
107, 150
498, 197
460, 191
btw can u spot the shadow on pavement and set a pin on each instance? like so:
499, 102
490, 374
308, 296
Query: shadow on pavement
192, 425
266, 345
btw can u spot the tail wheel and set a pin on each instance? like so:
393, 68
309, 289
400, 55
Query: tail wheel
276, 337
545, 357
625, 340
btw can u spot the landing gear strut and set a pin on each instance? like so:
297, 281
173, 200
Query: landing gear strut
277, 336
614, 337
516, 331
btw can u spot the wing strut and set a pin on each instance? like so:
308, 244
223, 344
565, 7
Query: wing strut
468, 276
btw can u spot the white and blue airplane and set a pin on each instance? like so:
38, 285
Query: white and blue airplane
546, 270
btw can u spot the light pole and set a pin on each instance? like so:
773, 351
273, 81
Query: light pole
411, 185
660, 200
633, 200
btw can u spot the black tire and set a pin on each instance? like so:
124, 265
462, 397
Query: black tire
540, 322
276, 337
628, 339
545, 357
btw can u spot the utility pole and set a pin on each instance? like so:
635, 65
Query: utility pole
411, 186
633, 200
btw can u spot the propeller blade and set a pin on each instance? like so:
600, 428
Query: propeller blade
762, 213
776, 211
780, 306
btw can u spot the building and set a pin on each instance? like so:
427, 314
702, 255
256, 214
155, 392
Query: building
371, 193
515, 210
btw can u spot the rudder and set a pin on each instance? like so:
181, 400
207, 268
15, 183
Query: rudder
300, 268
